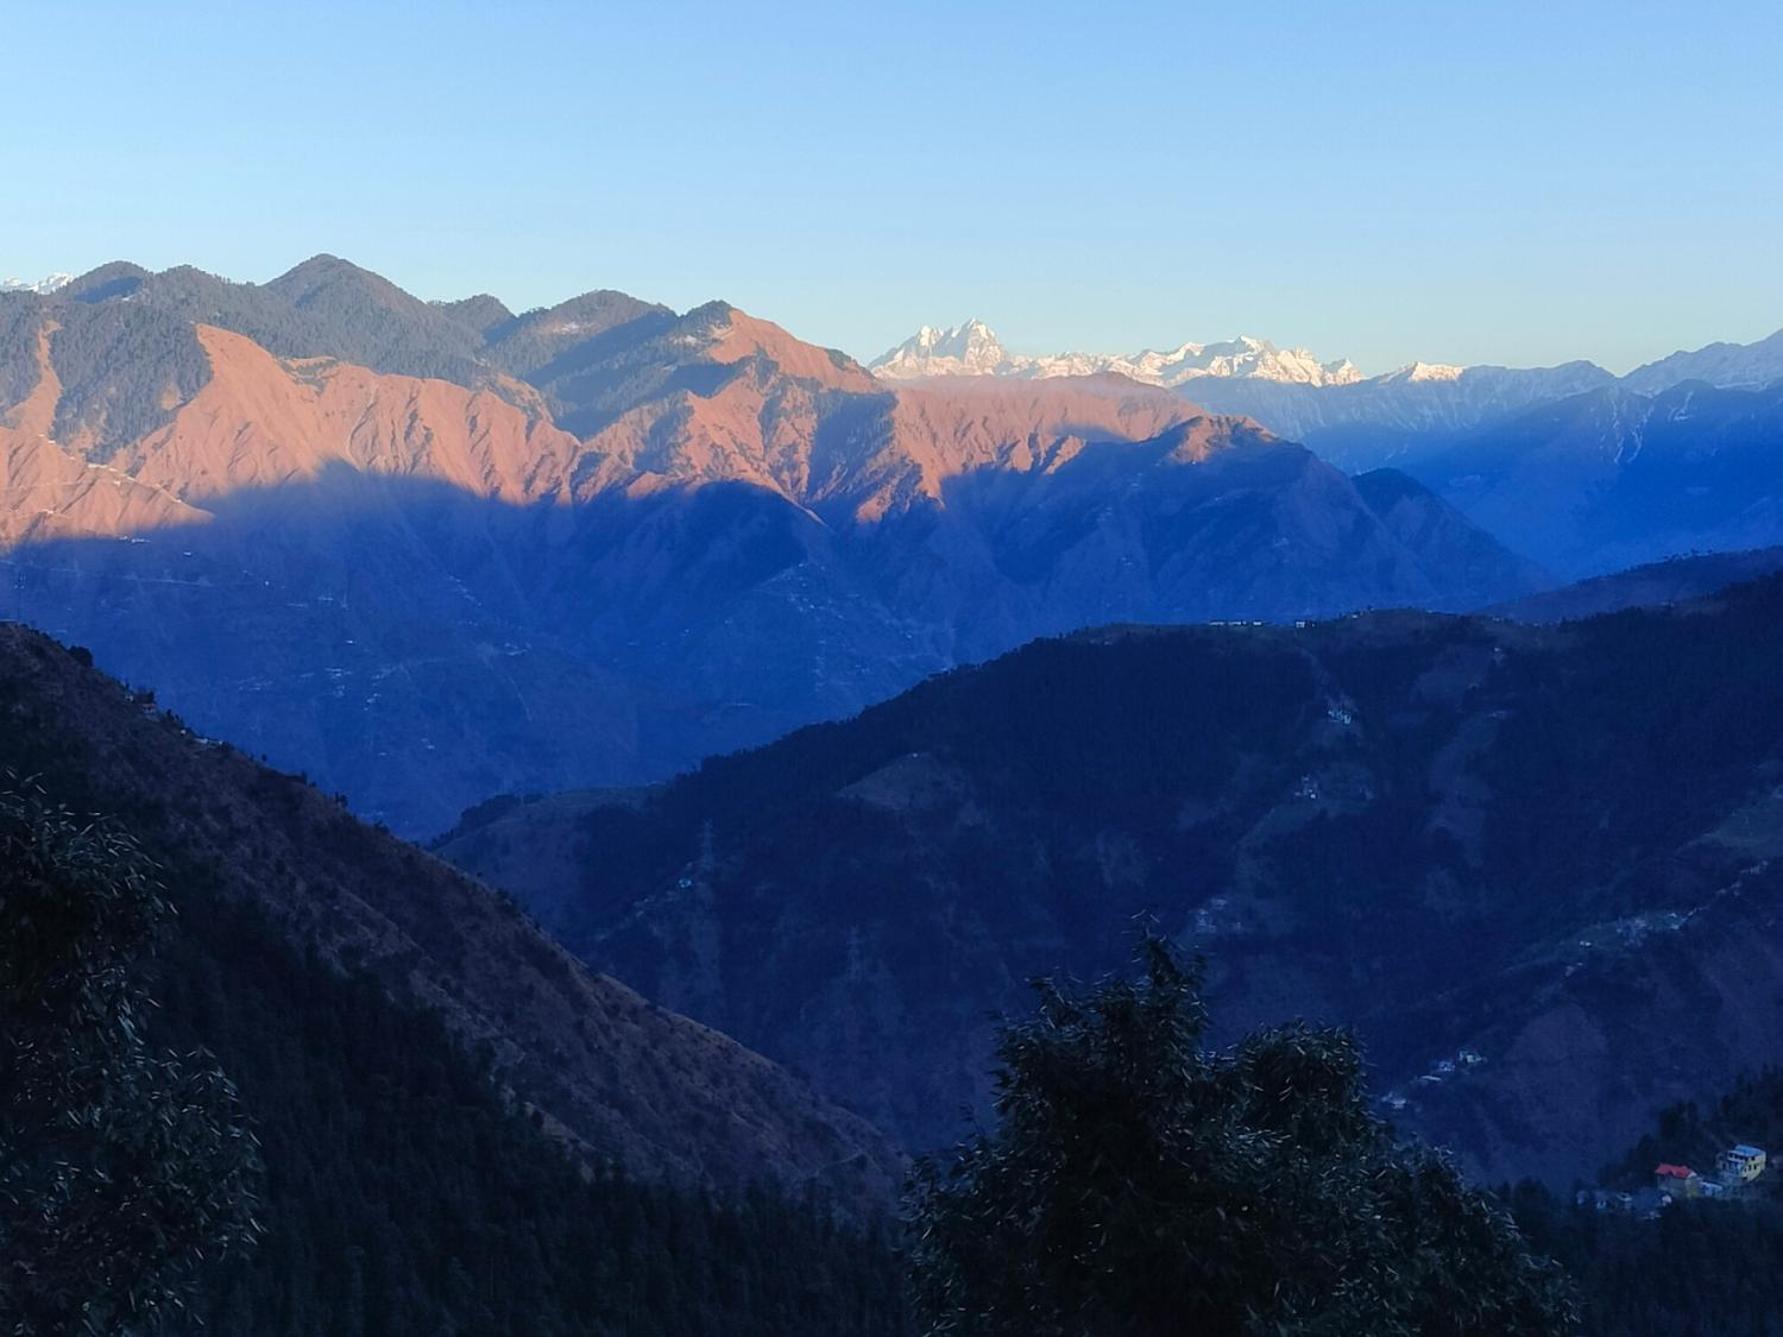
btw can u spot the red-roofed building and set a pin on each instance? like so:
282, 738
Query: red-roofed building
1677, 1181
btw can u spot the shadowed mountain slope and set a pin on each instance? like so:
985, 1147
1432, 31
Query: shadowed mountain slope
1613, 478
1585, 480
678, 535
623, 1079
1534, 867
1381, 420
1728, 366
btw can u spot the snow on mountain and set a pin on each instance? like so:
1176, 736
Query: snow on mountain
1365, 424
42, 287
1724, 365
1419, 372
965, 350
973, 349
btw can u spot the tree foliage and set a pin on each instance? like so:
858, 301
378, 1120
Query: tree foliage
407, 1195
1137, 1184
122, 1166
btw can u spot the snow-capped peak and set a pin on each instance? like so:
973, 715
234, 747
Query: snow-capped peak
973, 350
1426, 371
43, 287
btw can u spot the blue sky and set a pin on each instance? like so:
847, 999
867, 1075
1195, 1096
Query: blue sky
1503, 182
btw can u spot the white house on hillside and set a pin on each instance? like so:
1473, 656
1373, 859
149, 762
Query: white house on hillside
1740, 1165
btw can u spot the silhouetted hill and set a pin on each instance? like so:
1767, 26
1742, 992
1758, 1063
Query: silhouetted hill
1548, 848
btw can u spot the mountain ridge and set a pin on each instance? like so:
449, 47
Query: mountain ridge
1439, 830
1400, 418
1617, 477
683, 534
973, 349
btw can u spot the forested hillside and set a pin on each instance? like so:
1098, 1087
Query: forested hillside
633, 1083
462, 1131
404, 1196
1527, 864
1703, 1267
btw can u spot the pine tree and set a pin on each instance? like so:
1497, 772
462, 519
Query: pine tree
1137, 1185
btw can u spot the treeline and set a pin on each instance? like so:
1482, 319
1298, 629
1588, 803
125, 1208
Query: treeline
20, 318
127, 354
1703, 1269
124, 368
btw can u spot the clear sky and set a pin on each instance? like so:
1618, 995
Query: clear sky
1506, 181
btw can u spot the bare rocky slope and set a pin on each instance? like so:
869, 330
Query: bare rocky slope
1534, 866
620, 1077
428, 553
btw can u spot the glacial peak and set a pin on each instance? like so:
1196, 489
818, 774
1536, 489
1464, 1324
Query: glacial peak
973, 349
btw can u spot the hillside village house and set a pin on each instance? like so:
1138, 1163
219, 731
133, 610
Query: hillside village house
1735, 1168
1677, 1181
1740, 1165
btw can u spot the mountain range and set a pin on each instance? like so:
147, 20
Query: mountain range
1535, 866
1575, 468
973, 350
1615, 477
42, 287
428, 552
1278, 387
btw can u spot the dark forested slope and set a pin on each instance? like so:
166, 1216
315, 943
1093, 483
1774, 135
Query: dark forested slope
405, 1198
1533, 866
626, 1080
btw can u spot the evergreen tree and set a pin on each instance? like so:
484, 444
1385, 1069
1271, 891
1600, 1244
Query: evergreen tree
121, 1167
1138, 1185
